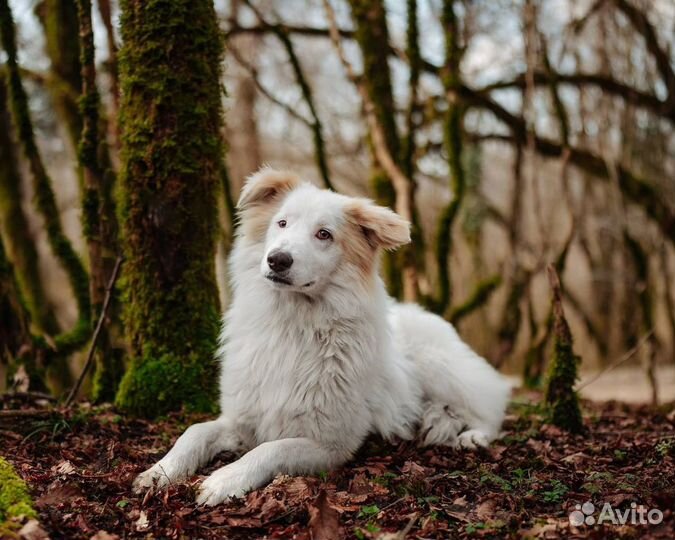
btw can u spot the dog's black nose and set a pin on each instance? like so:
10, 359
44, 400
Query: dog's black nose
279, 261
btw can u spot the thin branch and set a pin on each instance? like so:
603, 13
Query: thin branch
622, 360
604, 82
97, 331
317, 129
263, 90
640, 22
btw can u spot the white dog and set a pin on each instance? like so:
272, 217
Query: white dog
315, 355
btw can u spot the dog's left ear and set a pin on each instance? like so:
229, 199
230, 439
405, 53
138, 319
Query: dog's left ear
382, 227
266, 185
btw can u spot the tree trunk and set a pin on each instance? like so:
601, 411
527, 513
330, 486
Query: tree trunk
19, 242
100, 231
14, 320
373, 39
59, 22
171, 154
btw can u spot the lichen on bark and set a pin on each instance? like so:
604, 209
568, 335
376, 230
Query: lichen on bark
171, 156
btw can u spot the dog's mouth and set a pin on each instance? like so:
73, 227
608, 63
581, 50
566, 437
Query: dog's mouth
278, 279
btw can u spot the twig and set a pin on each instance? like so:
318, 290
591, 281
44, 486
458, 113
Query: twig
97, 331
627, 356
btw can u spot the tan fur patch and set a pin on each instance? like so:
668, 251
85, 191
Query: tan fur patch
370, 227
266, 185
357, 250
384, 228
260, 199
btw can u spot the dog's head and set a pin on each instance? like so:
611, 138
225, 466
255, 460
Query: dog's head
313, 237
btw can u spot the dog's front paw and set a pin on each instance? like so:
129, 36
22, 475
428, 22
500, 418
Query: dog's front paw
473, 438
227, 482
155, 477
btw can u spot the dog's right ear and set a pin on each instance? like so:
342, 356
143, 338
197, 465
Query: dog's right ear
265, 186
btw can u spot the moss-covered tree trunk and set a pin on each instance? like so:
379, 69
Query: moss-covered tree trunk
19, 243
171, 152
14, 320
45, 202
59, 22
453, 147
100, 227
372, 37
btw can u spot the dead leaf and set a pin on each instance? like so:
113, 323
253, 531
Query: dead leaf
59, 495
486, 510
102, 535
32, 531
64, 467
323, 521
142, 523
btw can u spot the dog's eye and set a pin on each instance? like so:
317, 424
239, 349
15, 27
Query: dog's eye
323, 234
281, 223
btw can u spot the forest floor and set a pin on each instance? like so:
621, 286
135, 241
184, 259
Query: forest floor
79, 466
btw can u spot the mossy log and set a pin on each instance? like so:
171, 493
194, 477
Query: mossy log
170, 117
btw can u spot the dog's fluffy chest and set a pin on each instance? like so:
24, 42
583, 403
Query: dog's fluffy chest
297, 376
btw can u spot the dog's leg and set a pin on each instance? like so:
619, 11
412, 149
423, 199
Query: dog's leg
194, 448
263, 463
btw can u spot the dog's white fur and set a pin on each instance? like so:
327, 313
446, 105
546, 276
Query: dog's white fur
310, 367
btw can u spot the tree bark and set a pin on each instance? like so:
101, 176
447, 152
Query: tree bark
44, 195
99, 229
18, 240
171, 155
60, 25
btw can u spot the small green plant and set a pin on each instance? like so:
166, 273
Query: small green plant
496, 480
472, 528
368, 511
665, 447
556, 493
372, 527
385, 479
122, 504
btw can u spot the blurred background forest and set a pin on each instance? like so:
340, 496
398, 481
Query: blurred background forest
513, 134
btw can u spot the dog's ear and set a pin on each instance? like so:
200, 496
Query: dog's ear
265, 186
381, 226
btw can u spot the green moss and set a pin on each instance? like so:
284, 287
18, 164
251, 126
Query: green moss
154, 385
170, 174
562, 403
107, 376
15, 500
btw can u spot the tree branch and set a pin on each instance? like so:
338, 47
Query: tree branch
316, 127
606, 83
